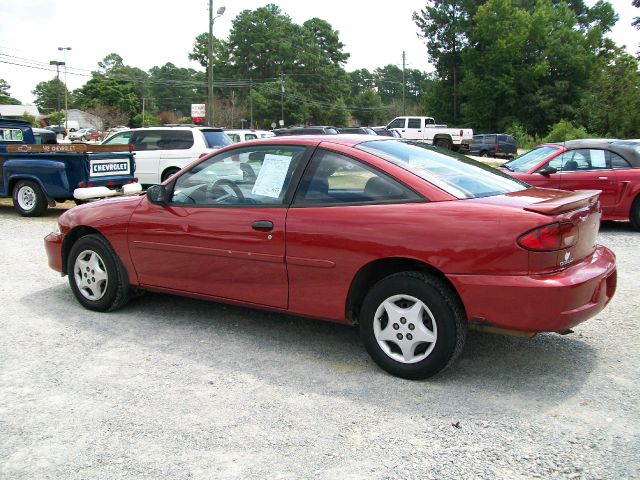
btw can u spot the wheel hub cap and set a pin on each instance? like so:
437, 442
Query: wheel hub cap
26, 198
90, 275
405, 329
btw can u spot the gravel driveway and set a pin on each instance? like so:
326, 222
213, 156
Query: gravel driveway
175, 388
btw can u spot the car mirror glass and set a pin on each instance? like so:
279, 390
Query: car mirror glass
157, 194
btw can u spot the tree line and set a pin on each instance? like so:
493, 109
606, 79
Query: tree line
526, 67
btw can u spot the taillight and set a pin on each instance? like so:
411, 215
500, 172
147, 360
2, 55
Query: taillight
550, 237
461, 133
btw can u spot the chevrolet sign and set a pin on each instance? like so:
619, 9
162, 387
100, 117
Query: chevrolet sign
104, 168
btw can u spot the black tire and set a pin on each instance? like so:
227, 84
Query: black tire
484, 153
28, 199
105, 278
441, 315
634, 214
168, 173
443, 143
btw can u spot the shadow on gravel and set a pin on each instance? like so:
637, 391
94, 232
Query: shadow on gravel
6, 208
327, 359
613, 227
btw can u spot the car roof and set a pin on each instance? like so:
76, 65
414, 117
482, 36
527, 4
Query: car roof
627, 149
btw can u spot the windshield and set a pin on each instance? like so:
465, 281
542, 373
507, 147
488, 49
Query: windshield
216, 138
524, 163
456, 174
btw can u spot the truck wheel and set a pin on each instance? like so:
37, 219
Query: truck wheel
484, 154
412, 325
444, 143
96, 275
169, 172
28, 199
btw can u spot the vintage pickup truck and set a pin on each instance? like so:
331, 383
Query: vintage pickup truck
424, 129
39, 175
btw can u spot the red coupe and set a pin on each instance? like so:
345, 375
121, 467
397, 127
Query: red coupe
414, 244
611, 166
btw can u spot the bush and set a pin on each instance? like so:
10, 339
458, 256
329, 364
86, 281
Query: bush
524, 139
565, 130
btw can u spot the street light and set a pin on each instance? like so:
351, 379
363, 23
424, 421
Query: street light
57, 64
66, 99
219, 13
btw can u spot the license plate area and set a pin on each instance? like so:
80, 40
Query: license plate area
107, 168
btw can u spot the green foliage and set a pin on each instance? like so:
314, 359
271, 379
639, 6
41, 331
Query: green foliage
369, 109
49, 95
56, 118
5, 97
31, 119
565, 130
149, 119
523, 138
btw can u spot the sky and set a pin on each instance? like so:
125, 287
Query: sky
147, 33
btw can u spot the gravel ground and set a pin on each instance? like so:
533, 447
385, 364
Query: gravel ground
175, 388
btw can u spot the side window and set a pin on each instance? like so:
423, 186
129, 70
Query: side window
478, 138
333, 178
235, 138
490, 139
415, 123
244, 176
584, 160
146, 140
175, 140
397, 123
250, 136
617, 161
122, 138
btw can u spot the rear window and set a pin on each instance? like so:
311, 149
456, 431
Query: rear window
456, 174
216, 138
524, 163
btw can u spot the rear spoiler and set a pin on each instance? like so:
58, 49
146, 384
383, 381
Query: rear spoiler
67, 148
573, 201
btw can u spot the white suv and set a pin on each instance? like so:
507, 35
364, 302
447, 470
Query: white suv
243, 135
162, 151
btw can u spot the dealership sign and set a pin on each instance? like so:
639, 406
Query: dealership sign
198, 110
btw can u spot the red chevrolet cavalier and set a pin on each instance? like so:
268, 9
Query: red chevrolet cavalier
414, 244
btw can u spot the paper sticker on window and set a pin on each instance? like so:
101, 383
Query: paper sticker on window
272, 175
597, 159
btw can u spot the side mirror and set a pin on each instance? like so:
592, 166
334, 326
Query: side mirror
547, 170
157, 194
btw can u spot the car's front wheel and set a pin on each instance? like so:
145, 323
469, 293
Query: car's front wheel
96, 276
412, 325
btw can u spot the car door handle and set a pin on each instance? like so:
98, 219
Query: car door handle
262, 225
603, 178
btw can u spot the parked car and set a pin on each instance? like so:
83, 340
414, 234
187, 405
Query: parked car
613, 167
44, 136
308, 130
357, 130
494, 145
412, 244
244, 135
386, 132
84, 134
163, 151
57, 129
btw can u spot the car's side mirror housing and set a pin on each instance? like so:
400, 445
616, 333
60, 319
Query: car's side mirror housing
548, 170
157, 194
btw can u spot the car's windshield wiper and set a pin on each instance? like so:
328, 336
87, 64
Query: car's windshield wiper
507, 167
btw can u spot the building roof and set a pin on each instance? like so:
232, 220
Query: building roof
16, 111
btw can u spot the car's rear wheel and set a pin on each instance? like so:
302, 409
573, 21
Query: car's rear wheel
96, 276
444, 143
634, 214
412, 325
484, 154
28, 199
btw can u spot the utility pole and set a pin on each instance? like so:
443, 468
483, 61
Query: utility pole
250, 103
66, 96
57, 64
281, 99
404, 103
219, 13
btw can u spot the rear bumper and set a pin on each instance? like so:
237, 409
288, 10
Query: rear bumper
53, 247
540, 303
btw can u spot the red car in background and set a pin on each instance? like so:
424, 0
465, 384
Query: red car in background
413, 243
611, 166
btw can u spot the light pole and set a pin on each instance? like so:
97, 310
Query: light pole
219, 13
57, 64
66, 96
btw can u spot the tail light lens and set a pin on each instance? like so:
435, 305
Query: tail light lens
550, 237
461, 133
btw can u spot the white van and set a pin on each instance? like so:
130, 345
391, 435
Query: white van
243, 135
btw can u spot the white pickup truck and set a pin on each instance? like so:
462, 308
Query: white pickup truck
424, 129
